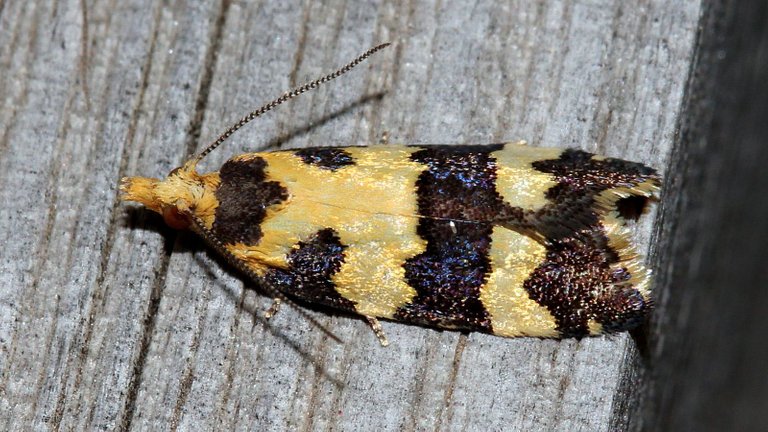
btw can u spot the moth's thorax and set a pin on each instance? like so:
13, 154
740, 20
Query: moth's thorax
182, 193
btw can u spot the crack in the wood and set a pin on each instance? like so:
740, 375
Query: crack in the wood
132, 388
150, 319
451, 387
209, 67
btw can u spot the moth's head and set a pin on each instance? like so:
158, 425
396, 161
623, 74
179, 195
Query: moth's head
182, 193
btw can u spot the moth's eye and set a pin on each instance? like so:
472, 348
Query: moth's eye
175, 219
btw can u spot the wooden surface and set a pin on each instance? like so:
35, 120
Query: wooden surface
709, 359
109, 320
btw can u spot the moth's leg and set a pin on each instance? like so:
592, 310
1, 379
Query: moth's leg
384, 138
272, 309
377, 330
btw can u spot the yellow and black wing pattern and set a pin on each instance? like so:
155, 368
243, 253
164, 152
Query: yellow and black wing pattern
505, 239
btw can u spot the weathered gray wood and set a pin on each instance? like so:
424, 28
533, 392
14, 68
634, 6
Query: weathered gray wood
110, 320
709, 368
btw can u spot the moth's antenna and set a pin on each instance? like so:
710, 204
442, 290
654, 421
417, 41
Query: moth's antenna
286, 96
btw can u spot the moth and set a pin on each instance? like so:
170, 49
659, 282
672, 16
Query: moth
506, 239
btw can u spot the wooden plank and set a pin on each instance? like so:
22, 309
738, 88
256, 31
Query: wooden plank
110, 320
709, 367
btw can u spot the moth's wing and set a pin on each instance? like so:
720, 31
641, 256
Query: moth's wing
588, 276
337, 226
368, 231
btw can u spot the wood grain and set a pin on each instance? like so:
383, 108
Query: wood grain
109, 320
709, 360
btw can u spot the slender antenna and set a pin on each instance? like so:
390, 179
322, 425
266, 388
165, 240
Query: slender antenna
286, 96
